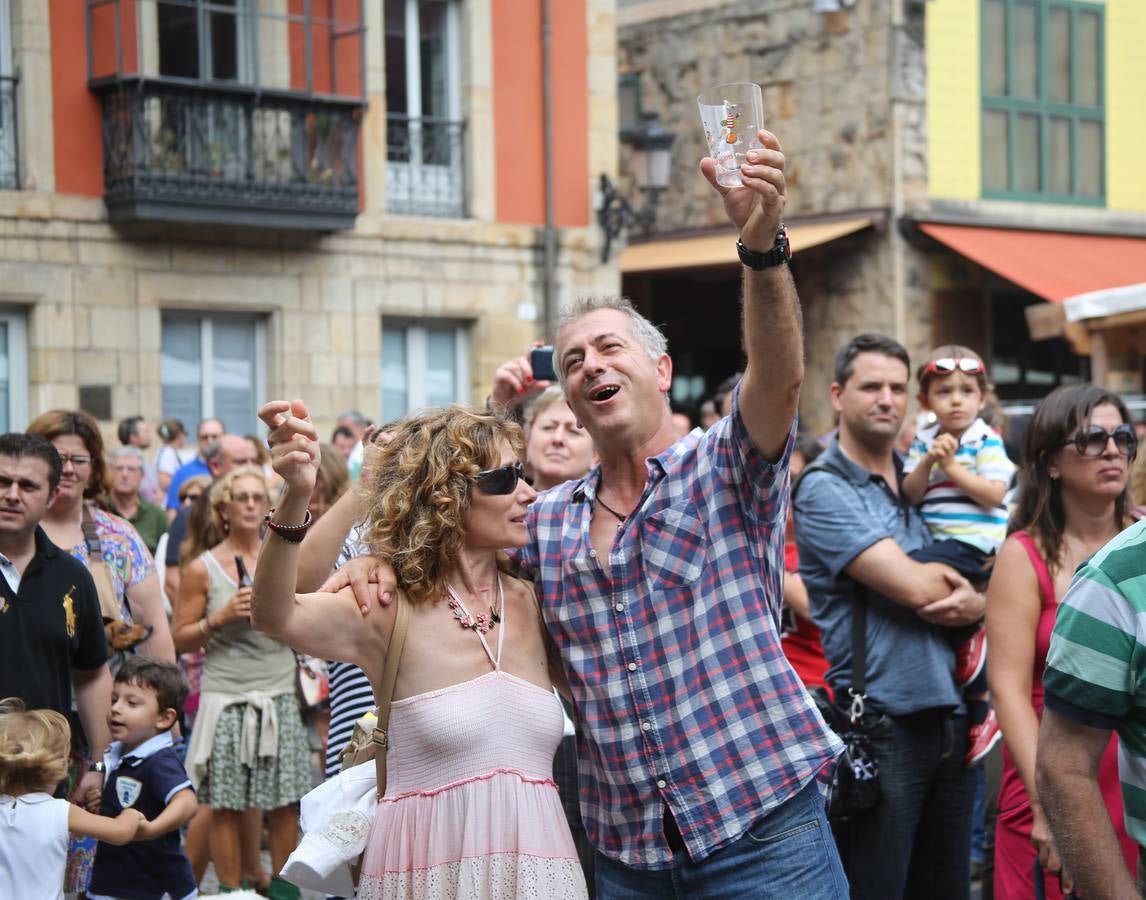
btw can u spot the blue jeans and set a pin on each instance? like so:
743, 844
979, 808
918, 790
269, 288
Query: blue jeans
917, 842
789, 853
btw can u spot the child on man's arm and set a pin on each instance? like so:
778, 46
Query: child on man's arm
958, 473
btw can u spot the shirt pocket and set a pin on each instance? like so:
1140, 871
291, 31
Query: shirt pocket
674, 547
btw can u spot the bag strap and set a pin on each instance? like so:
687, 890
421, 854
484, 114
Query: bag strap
858, 690
381, 736
91, 536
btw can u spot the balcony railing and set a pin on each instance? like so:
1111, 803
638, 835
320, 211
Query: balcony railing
425, 172
9, 157
238, 156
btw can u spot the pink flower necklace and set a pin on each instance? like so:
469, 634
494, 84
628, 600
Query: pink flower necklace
481, 623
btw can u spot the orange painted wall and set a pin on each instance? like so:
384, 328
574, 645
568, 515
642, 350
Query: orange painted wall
517, 109
330, 17
75, 110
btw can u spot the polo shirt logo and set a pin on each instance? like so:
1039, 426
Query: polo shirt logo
127, 791
70, 612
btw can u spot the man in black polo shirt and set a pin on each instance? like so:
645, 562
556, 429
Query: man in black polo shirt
51, 635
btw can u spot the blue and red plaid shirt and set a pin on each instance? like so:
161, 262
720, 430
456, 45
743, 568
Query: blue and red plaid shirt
682, 692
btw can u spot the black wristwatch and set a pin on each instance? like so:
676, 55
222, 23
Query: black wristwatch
780, 253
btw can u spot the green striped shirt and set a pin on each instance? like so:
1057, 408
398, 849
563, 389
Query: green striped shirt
1096, 667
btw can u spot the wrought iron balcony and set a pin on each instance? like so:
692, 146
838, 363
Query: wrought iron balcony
237, 156
9, 157
425, 171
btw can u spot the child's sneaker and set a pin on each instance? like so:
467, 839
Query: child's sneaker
981, 738
970, 658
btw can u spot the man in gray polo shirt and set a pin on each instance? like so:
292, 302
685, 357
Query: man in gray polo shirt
854, 529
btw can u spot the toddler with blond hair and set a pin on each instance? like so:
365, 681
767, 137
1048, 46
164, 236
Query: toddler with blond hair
34, 825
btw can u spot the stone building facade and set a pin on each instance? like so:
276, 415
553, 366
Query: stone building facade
209, 306
878, 106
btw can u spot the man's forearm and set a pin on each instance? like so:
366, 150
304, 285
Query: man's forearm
774, 344
93, 700
773, 328
1066, 774
1084, 835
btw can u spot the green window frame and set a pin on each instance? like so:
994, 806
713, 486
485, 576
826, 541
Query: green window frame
1025, 111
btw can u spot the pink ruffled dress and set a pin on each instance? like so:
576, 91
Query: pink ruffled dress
471, 809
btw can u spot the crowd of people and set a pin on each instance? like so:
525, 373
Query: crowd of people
576, 647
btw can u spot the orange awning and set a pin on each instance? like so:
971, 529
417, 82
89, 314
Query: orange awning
1053, 264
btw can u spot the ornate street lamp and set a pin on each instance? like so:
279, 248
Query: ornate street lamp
652, 166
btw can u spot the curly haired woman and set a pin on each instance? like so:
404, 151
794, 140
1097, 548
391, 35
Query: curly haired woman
470, 807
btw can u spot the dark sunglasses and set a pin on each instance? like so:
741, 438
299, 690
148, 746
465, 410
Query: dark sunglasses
948, 364
501, 480
1092, 442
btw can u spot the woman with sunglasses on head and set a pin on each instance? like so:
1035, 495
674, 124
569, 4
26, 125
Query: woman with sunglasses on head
1073, 498
249, 746
470, 808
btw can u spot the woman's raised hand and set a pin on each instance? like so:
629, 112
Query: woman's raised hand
293, 442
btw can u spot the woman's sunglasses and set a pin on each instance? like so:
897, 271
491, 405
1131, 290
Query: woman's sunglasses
948, 364
501, 480
1092, 442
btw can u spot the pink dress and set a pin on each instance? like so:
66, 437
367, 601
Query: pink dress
1014, 855
471, 809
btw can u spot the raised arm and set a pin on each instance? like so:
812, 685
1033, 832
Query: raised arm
773, 326
325, 625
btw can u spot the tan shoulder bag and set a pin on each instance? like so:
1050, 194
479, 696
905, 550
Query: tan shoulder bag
366, 744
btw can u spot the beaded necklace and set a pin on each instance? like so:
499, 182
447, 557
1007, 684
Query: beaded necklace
481, 623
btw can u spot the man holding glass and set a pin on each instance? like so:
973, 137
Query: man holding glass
702, 757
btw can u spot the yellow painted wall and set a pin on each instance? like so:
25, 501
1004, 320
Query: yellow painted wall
954, 157
1125, 106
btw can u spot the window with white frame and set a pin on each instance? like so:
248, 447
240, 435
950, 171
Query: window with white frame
424, 127
424, 363
9, 160
213, 365
13, 370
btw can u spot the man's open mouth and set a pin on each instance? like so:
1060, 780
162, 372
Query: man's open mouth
604, 392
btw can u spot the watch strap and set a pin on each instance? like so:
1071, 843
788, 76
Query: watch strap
779, 254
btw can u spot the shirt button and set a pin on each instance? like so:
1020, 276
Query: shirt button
620, 607
632, 667
593, 553
646, 726
662, 784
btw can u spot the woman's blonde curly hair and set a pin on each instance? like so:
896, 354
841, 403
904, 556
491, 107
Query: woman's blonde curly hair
417, 488
34, 747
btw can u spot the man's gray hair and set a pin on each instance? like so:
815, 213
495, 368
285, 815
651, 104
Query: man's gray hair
647, 334
128, 452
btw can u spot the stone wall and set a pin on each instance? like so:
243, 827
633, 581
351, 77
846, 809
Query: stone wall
94, 298
827, 95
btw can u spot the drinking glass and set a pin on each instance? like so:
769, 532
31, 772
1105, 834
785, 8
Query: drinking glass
731, 115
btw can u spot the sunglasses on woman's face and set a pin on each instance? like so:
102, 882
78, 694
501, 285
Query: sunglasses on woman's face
948, 364
1092, 442
501, 480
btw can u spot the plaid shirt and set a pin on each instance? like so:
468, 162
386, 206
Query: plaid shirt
682, 692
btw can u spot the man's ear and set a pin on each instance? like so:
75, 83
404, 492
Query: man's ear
664, 373
834, 395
